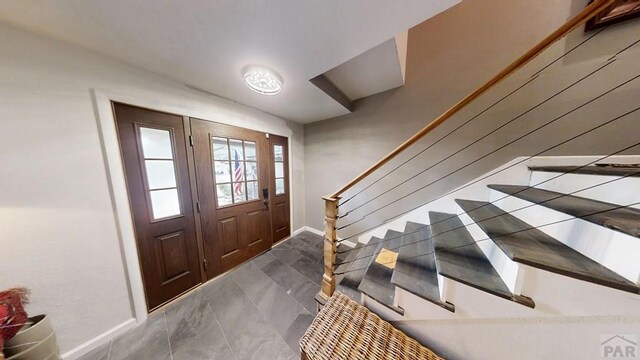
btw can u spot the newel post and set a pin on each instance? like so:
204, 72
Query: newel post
330, 246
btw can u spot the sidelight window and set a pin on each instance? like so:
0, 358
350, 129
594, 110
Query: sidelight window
278, 157
236, 170
159, 166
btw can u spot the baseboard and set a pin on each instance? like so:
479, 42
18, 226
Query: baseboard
106, 336
348, 243
312, 230
300, 230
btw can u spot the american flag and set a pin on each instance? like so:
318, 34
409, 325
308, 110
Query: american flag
238, 174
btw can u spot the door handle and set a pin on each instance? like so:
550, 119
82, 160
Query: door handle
265, 195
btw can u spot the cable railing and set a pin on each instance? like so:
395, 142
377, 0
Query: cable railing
333, 202
496, 201
463, 226
503, 147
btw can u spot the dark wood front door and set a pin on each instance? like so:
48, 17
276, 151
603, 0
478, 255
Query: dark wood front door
232, 171
155, 156
279, 187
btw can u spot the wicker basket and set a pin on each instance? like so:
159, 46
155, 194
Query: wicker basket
346, 330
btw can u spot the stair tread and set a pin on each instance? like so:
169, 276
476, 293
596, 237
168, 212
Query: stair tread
341, 257
458, 256
376, 282
535, 248
346, 263
625, 220
591, 170
416, 265
350, 282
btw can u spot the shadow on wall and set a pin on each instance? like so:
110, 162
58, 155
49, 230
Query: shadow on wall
448, 57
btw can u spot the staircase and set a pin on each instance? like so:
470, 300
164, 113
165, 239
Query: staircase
537, 259
495, 243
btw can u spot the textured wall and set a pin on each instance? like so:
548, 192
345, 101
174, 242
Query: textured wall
59, 235
449, 56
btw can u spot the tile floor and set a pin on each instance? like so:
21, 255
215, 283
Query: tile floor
256, 311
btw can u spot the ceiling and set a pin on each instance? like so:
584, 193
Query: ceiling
205, 43
376, 70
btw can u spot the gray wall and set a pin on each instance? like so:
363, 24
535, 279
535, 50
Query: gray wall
448, 57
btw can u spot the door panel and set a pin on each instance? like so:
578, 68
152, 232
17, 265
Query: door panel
173, 256
228, 232
279, 187
231, 170
156, 164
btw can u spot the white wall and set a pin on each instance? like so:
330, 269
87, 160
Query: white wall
59, 234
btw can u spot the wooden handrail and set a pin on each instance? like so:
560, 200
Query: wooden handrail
590, 11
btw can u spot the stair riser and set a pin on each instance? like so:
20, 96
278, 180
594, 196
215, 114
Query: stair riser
620, 191
553, 293
378, 308
442, 286
417, 308
612, 249
506, 268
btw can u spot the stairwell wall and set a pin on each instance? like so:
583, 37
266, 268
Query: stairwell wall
449, 56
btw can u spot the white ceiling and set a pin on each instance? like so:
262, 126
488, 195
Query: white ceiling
206, 43
376, 70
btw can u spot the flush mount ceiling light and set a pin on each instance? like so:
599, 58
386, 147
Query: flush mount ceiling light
262, 80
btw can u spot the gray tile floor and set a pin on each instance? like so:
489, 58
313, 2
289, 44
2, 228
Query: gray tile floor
256, 311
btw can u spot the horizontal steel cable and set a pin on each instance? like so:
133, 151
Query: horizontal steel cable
508, 234
531, 79
493, 202
490, 153
488, 218
506, 168
468, 146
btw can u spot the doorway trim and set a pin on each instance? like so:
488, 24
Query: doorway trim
114, 168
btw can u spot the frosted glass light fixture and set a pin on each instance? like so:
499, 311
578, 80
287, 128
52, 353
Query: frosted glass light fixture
262, 80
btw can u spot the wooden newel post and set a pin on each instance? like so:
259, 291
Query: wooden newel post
330, 246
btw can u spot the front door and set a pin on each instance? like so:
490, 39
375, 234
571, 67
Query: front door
155, 157
232, 172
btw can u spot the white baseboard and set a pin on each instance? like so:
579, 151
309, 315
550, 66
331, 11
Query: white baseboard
296, 232
312, 230
99, 340
350, 244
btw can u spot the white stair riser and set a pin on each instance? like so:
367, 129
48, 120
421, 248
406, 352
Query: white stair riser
417, 308
622, 191
382, 311
442, 287
613, 249
553, 294
506, 268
